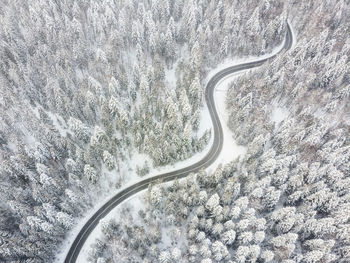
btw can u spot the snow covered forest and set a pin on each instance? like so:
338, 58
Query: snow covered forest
287, 200
87, 87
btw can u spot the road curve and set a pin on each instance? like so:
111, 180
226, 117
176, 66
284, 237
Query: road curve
205, 162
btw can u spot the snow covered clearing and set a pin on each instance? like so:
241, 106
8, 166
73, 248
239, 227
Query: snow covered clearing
278, 114
294, 36
57, 121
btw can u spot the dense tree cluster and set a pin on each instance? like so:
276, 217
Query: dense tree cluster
287, 200
231, 215
85, 84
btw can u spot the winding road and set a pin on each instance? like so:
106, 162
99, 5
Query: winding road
205, 162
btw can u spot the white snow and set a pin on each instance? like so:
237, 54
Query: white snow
28, 139
57, 121
293, 35
12, 146
170, 76
278, 114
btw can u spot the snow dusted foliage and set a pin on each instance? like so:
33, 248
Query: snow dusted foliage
287, 200
87, 84
246, 229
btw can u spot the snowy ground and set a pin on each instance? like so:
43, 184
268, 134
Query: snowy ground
294, 36
278, 114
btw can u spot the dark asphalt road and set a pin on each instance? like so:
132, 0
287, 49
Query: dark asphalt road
205, 162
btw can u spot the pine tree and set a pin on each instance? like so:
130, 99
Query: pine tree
108, 159
164, 257
228, 237
196, 57
80, 130
90, 173
169, 45
224, 47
